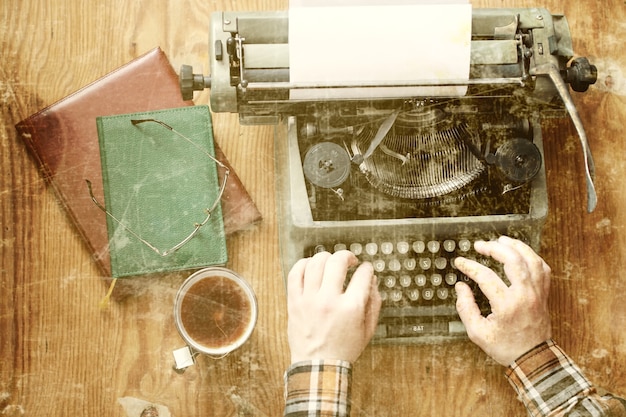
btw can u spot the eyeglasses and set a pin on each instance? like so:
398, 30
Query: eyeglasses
208, 211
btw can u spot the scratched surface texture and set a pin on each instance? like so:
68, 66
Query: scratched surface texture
64, 356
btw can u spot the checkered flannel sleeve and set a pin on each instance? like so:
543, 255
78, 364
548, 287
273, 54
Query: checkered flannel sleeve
318, 388
550, 384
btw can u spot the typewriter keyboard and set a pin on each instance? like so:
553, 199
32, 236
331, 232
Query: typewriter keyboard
416, 281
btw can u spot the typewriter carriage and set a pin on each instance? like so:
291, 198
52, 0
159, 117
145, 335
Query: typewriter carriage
250, 59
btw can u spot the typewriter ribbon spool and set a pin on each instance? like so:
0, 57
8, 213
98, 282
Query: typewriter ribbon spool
326, 165
518, 159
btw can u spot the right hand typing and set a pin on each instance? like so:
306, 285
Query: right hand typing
520, 318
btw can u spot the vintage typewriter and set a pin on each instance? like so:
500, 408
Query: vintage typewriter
407, 183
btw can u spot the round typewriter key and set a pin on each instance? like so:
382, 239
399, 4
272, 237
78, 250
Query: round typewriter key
394, 265
405, 280
371, 248
453, 264
451, 278
441, 263
403, 247
436, 279
449, 245
319, 249
409, 264
390, 281
339, 246
433, 246
414, 294
396, 295
428, 294
386, 248
356, 248
425, 263
465, 245
442, 293
420, 280
379, 265
215, 311
419, 246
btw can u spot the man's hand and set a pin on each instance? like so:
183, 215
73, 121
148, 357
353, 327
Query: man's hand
326, 322
519, 319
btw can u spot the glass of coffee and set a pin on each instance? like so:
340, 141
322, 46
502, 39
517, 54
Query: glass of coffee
215, 312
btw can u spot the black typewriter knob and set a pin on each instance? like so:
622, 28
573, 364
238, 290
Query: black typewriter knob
581, 74
190, 82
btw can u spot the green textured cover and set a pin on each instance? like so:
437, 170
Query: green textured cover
158, 185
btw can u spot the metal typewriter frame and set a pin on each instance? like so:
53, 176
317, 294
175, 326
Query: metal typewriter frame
527, 50
298, 231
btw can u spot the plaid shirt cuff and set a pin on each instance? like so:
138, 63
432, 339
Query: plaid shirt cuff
549, 383
318, 388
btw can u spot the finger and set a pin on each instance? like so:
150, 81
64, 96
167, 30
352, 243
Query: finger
501, 250
489, 282
362, 282
515, 266
372, 310
468, 310
535, 263
335, 271
547, 271
295, 279
518, 244
314, 272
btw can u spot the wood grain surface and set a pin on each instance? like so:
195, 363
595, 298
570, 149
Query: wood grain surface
62, 355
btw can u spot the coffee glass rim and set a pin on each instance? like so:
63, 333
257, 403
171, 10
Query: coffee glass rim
208, 273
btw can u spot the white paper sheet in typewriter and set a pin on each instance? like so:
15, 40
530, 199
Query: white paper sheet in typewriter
342, 45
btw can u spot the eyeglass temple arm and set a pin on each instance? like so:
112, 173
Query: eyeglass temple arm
108, 213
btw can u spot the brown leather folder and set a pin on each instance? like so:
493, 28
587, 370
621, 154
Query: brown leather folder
63, 139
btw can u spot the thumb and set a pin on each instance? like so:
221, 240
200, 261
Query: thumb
467, 308
372, 310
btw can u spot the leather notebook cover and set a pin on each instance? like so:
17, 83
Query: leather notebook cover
63, 139
158, 184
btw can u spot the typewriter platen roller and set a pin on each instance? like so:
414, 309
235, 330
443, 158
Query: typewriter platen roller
394, 172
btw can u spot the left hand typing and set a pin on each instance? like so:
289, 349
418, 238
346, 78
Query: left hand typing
326, 322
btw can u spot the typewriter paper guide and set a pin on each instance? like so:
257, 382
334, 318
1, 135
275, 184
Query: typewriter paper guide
379, 44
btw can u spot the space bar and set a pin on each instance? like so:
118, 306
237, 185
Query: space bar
419, 329
405, 330
419, 311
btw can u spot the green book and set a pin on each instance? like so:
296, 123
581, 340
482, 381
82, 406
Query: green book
159, 184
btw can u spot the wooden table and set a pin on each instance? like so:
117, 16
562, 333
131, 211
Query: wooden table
64, 356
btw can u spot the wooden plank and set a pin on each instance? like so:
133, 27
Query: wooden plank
63, 355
